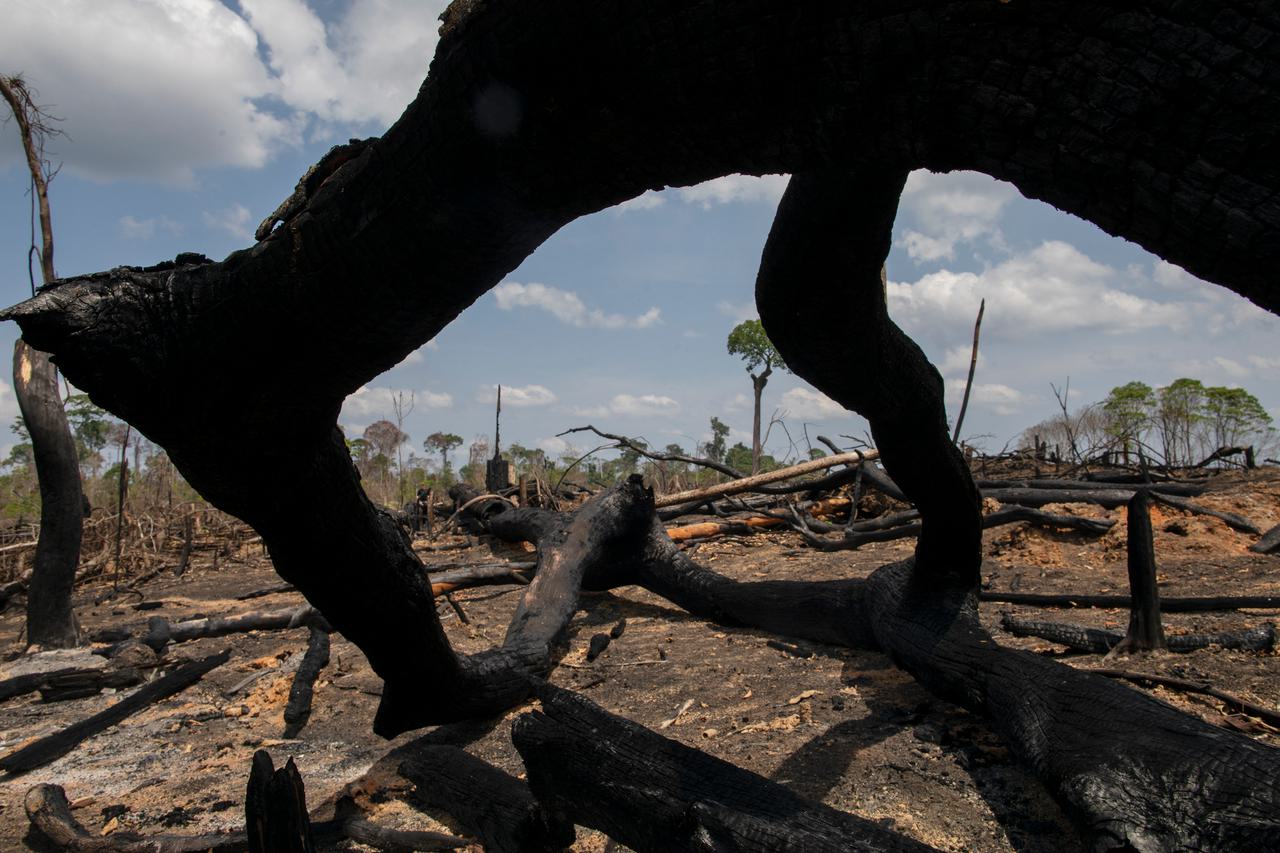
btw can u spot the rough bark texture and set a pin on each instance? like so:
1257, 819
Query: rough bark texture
1146, 631
1158, 122
50, 619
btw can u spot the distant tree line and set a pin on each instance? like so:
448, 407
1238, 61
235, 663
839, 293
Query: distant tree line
1180, 424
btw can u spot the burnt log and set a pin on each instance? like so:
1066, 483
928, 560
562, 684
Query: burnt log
656, 795
1268, 543
298, 709
49, 812
492, 805
1233, 520
58, 744
161, 632
1186, 604
1099, 642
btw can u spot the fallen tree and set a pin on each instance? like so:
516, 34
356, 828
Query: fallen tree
501, 149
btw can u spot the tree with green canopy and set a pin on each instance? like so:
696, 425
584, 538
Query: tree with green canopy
442, 443
749, 341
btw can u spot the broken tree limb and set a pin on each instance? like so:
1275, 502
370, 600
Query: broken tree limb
1184, 604
161, 632
78, 683
656, 795
58, 744
492, 805
1267, 715
1269, 542
1100, 642
852, 539
1145, 632
298, 709
48, 810
746, 484
751, 522
1165, 488
349, 823
1233, 520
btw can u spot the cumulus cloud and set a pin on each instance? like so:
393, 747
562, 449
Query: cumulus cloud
234, 221
132, 228
156, 89
1001, 399
1054, 287
553, 445
738, 311
378, 402
735, 188
808, 404
632, 405
567, 307
517, 397
647, 200
950, 210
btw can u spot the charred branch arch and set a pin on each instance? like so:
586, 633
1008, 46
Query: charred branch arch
1157, 123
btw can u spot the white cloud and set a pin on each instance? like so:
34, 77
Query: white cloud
8, 406
157, 89
132, 228
517, 397
735, 188
951, 209
567, 307
553, 445
647, 200
378, 402
234, 221
418, 355
738, 403
1054, 287
806, 403
1231, 367
738, 311
1262, 362
632, 405
1002, 399
957, 360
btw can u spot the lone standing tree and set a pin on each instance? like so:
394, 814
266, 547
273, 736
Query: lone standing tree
748, 340
442, 443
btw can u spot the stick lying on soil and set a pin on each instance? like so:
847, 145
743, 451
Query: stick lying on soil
1189, 604
746, 484
1100, 642
1237, 704
58, 744
161, 632
298, 710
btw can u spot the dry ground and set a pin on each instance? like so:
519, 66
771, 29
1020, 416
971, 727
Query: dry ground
842, 726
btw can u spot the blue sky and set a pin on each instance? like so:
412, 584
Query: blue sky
188, 121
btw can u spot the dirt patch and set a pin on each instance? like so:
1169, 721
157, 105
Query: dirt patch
843, 726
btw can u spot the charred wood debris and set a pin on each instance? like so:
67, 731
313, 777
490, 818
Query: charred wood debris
837, 502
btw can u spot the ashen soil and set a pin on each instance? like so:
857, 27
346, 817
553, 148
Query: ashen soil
842, 726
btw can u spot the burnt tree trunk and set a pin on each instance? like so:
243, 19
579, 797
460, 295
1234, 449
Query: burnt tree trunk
1146, 632
50, 620
501, 148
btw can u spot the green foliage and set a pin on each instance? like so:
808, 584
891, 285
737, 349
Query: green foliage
749, 341
719, 434
1128, 408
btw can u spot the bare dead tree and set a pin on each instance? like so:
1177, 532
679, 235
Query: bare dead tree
50, 619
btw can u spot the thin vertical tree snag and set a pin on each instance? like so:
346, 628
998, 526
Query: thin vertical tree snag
973, 366
1146, 632
50, 620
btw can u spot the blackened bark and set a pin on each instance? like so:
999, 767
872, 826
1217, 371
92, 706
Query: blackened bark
656, 795
1099, 642
1146, 633
50, 619
298, 709
1186, 604
275, 808
488, 803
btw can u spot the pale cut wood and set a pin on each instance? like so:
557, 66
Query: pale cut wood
746, 484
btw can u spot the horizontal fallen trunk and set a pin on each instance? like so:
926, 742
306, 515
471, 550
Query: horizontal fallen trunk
58, 744
78, 683
161, 632
1162, 488
1183, 604
1233, 520
1269, 542
746, 484
656, 795
492, 805
750, 523
1100, 642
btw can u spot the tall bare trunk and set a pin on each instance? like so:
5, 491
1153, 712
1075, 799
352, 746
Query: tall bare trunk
757, 386
50, 620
